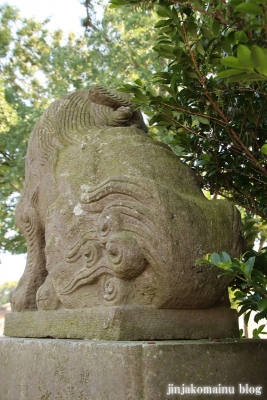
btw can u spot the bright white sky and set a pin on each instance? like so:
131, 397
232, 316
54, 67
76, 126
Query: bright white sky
66, 15
11, 267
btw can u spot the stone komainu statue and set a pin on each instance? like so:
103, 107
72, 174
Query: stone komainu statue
111, 216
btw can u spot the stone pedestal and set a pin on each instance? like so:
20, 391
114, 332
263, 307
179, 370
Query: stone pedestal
124, 323
58, 369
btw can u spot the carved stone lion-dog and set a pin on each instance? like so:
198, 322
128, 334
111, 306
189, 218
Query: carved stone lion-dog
113, 217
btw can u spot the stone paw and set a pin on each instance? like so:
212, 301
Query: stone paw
21, 300
122, 115
46, 296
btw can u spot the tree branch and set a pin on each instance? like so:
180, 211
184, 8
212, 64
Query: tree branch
87, 23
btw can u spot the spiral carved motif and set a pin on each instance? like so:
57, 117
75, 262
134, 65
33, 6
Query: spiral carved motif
86, 247
91, 254
109, 288
107, 224
125, 255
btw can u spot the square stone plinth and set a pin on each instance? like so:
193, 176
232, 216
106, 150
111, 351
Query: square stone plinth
58, 369
124, 323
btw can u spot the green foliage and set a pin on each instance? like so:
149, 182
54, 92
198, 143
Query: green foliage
211, 98
258, 331
250, 284
254, 231
38, 66
5, 289
8, 116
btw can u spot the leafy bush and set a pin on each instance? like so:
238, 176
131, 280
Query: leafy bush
250, 284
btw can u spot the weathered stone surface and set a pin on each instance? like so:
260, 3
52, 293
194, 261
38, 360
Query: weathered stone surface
113, 217
124, 323
35, 369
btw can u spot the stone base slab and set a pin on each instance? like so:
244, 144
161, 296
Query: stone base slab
58, 369
124, 323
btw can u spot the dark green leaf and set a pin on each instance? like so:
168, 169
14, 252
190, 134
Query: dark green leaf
248, 266
246, 318
226, 46
232, 62
259, 59
203, 120
262, 304
215, 258
216, 26
241, 36
255, 334
192, 28
200, 48
244, 57
249, 8
260, 315
229, 72
244, 77
224, 257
